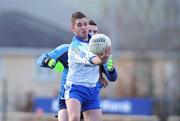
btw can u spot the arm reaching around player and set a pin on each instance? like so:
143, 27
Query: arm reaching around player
56, 59
108, 69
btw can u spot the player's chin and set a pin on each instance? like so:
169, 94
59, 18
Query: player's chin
84, 36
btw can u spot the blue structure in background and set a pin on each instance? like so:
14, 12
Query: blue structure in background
125, 106
131, 106
47, 104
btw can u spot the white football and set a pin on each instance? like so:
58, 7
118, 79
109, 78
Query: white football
98, 43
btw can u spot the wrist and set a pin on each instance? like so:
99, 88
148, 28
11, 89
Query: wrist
59, 67
95, 60
110, 69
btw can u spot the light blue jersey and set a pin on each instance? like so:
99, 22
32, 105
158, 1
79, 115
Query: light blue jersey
81, 70
60, 54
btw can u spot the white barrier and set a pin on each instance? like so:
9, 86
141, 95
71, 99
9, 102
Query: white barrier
21, 116
113, 117
173, 118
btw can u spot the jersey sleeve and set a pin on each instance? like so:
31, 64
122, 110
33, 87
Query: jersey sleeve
81, 55
54, 54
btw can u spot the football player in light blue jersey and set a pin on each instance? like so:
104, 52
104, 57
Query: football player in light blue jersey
81, 92
57, 59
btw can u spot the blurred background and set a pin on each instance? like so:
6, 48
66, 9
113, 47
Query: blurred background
145, 38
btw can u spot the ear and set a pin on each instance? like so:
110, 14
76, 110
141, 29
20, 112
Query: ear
72, 28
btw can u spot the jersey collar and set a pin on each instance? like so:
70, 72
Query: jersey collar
81, 40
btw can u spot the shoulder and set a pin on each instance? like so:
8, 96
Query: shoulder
75, 43
63, 47
58, 51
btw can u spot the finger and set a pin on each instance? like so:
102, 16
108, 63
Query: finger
107, 51
105, 83
104, 52
110, 50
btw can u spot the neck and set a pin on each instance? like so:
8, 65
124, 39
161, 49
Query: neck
86, 39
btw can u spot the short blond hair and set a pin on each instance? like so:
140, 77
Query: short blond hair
77, 15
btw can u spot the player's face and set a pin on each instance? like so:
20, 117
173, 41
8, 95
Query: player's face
93, 29
80, 28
